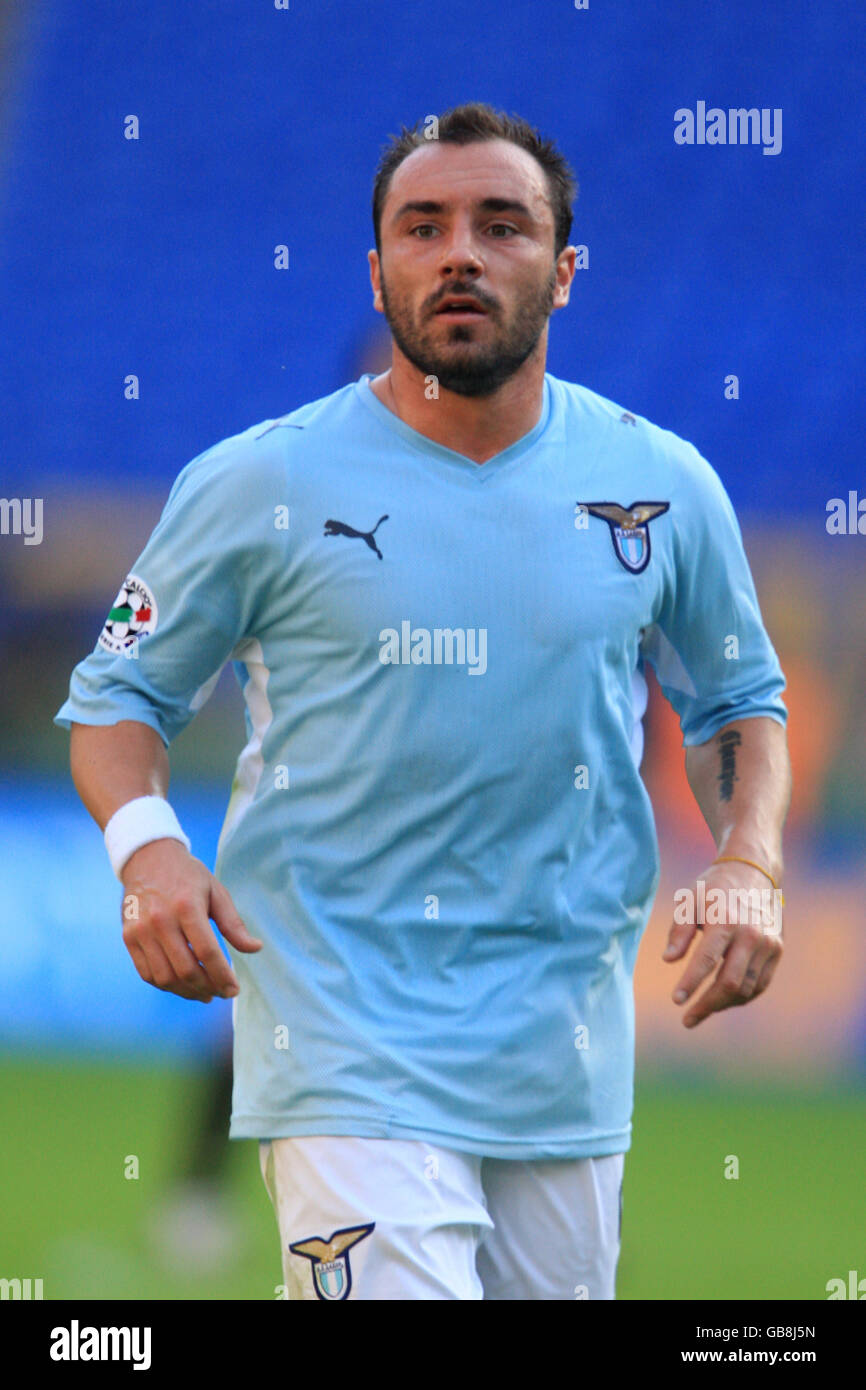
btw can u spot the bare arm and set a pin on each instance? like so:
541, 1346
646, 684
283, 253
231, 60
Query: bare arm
111, 764
169, 895
741, 779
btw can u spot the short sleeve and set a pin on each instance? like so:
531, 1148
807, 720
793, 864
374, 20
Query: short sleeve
709, 647
194, 593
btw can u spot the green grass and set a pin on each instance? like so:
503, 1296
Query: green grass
69, 1214
793, 1219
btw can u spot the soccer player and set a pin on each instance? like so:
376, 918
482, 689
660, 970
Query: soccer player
440, 587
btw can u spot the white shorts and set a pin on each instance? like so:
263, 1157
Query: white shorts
386, 1219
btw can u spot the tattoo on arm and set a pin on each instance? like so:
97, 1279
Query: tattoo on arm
728, 745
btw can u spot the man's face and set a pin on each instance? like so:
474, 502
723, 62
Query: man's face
469, 221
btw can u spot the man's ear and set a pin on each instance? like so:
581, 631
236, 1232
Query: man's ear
565, 268
375, 280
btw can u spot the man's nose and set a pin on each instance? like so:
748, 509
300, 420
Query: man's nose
461, 253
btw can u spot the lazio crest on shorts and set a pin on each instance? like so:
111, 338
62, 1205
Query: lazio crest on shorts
332, 1274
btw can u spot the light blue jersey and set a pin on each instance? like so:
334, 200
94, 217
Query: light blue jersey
437, 825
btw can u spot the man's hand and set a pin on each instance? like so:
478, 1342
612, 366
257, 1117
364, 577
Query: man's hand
743, 948
168, 899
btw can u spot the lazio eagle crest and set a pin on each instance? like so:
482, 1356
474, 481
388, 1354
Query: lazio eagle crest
629, 529
332, 1276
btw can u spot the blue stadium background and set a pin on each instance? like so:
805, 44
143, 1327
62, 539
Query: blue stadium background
261, 127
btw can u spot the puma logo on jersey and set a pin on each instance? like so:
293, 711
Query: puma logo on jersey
340, 528
629, 529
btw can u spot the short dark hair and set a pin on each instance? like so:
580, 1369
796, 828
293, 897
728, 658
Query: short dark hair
464, 125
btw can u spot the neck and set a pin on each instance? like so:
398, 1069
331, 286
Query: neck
478, 427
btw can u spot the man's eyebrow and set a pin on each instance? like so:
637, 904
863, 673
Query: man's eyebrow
432, 207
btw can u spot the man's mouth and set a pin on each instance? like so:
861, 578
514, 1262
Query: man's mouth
459, 307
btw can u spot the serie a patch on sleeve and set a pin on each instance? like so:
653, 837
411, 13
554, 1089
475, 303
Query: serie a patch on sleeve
133, 615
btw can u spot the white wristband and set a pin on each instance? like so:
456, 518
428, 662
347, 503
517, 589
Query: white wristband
137, 823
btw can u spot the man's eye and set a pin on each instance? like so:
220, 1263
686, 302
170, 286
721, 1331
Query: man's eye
494, 227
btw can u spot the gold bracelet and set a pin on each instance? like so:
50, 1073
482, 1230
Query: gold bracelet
738, 858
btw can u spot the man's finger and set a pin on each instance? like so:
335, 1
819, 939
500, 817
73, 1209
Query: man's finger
705, 958
767, 972
225, 914
192, 918
163, 972
184, 958
679, 938
735, 981
139, 959
206, 949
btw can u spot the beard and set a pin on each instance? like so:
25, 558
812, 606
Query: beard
477, 369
